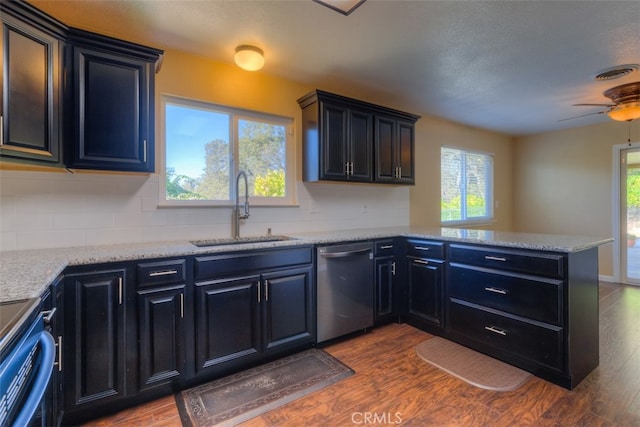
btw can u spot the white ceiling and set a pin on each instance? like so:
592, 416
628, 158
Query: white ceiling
511, 66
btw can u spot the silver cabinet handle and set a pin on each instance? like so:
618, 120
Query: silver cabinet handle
496, 290
59, 345
163, 273
348, 168
496, 330
182, 305
393, 268
1, 130
421, 261
258, 284
47, 315
144, 148
386, 247
266, 290
495, 258
120, 290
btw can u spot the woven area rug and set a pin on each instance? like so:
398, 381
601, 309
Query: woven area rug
475, 368
237, 398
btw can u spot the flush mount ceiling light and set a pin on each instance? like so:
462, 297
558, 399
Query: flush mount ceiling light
249, 57
343, 6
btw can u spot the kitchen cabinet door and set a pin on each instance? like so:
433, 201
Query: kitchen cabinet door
227, 323
335, 128
386, 306
360, 146
113, 95
287, 308
31, 63
384, 301
425, 286
94, 350
346, 143
394, 150
161, 335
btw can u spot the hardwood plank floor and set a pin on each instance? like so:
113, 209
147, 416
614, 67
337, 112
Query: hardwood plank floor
393, 386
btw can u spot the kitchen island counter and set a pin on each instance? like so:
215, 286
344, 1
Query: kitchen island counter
27, 273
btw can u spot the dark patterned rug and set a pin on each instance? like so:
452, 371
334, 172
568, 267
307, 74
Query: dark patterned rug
237, 398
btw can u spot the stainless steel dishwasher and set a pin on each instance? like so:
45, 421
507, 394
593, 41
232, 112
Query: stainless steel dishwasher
345, 289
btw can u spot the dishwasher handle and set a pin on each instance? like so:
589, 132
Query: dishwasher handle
343, 254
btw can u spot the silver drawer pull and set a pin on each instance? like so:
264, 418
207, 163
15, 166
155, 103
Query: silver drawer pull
495, 258
422, 248
421, 261
496, 291
386, 247
163, 273
496, 330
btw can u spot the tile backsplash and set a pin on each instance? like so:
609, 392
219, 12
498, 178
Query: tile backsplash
49, 210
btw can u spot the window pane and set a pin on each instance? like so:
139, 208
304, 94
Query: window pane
466, 185
476, 185
451, 194
262, 154
198, 154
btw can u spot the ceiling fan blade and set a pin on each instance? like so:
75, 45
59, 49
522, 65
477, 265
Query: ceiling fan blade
594, 105
583, 115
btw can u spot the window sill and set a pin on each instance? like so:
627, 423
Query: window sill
468, 223
206, 204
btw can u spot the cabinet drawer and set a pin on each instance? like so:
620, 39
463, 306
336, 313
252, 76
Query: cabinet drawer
425, 249
384, 248
157, 273
242, 263
537, 263
528, 296
540, 343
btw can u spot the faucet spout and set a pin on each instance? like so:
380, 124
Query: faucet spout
237, 216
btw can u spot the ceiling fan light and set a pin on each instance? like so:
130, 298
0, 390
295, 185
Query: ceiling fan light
625, 112
249, 58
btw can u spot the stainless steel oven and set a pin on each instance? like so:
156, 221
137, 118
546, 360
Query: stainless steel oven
27, 353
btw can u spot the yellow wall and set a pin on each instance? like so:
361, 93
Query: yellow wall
431, 134
564, 182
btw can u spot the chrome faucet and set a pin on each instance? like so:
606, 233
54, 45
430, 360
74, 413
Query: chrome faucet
237, 216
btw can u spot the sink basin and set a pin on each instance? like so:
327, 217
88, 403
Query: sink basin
239, 241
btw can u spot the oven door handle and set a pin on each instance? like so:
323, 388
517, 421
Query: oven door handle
48, 349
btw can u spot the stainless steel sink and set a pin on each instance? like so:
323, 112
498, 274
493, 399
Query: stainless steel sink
239, 241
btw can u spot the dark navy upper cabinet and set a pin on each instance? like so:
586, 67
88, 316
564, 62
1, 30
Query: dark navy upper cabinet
113, 97
31, 92
345, 139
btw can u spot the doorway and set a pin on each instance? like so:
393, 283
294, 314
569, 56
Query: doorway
628, 203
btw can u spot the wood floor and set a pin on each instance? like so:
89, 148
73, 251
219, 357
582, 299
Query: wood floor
393, 386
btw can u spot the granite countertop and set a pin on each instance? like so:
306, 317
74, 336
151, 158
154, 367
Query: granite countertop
26, 274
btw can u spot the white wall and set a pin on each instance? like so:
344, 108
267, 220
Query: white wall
49, 210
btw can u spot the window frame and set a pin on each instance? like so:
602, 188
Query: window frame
235, 114
489, 196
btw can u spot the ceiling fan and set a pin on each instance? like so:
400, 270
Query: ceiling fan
625, 104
